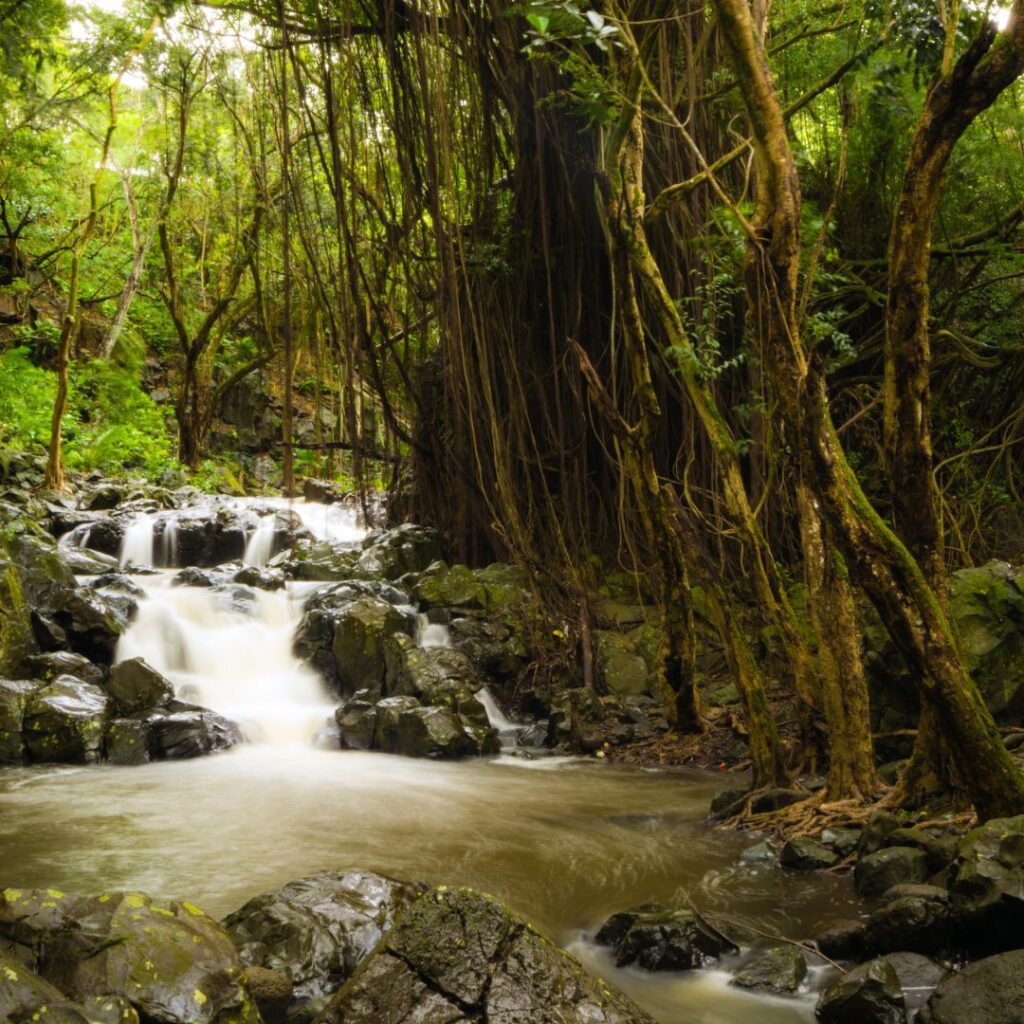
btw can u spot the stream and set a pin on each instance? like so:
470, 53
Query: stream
565, 841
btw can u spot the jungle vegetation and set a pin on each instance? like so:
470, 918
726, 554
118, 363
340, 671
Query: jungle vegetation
724, 293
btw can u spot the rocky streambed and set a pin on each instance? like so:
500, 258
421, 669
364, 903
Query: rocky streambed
142, 630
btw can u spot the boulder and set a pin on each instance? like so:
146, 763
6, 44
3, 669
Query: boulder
918, 976
875, 834
63, 663
987, 888
842, 940
318, 929
780, 970
941, 850
17, 638
726, 803
868, 994
182, 730
841, 840
64, 721
662, 938
915, 917
126, 741
495, 648
15, 695
989, 991
894, 865
621, 667
136, 686
23, 995
807, 855
321, 561
762, 853
357, 723
436, 676
456, 955
440, 734
173, 964
343, 631
406, 548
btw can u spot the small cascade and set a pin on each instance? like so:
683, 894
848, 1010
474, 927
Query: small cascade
77, 538
431, 634
509, 732
230, 650
169, 541
260, 544
137, 542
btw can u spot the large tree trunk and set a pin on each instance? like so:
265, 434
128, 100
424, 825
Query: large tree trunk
891, 577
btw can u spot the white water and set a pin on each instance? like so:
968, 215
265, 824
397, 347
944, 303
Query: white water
431, 634
260, 545
137, 542
234, 657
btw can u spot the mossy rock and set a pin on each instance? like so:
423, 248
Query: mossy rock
15, 695
171, 962
64, 722
458, 955
621, 666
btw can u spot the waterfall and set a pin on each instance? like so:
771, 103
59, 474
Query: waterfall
431, 634
137, 542
169, 541
77, 538
508, 731
230, 649
260, 545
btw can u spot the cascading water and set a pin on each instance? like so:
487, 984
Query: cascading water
137, 542
431, 634
230, 649
260, 545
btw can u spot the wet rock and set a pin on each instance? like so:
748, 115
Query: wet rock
389, 713
15, 695
357, 722
48, 667
406, 548
780, 970
439, 734
126, 741
844, 940
915, 917
989, 991
436, 676
343, 632
894, 865
88, 563
63, 722
174, 964
181, 730
661, 938
842, 840
272, 993
807, 855
136, 686
193, 576
941, 850
321, 561
987, 889
727, 802
317, 930
260, 579
103, 498
17, 638
495, 648
918, 976
760, 853
456, 955
868, 994
875, 834
25, 997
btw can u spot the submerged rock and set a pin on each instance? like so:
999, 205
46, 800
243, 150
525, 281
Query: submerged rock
989, 991
456, 955
317, 930
662, 938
